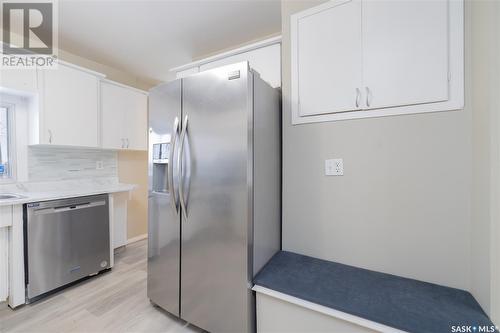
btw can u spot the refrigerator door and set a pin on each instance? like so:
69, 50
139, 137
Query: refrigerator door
163, 204
217, 171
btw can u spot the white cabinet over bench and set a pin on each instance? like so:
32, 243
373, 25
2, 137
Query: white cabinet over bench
363, 58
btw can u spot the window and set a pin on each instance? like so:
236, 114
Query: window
5, 161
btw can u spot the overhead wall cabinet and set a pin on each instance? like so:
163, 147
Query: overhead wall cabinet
265, 60
263, 56
69, 107
124, 114
78, 107
18, 80
362, 58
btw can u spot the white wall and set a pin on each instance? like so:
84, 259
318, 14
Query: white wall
485, 224
403, 205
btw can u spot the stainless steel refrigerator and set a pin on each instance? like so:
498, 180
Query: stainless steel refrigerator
214, 194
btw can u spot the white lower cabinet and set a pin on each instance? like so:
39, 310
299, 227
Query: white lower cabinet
118, 219
4, 263
124, 112
5, 224
12, 255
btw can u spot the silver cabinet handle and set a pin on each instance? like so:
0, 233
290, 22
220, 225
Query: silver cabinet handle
368, 96
122, 143
179, 161
358, 96
50, 136
128, 143
170, 166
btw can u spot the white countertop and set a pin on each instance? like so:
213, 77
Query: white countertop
42, 191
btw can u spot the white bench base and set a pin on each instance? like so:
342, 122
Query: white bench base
278, 312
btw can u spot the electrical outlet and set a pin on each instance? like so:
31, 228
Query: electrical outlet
99, 165
334, 167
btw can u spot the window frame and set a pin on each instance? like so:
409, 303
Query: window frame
11, 172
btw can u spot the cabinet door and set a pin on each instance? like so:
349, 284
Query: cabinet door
70, 107
23, 80
327, 67
113, 112
118, 219
405, 52
136, 128
124, 117
186, 72
265, 60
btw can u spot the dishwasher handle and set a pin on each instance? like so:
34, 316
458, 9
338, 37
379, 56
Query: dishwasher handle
71, 207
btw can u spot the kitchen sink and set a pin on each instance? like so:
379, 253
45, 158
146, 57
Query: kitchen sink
9, 196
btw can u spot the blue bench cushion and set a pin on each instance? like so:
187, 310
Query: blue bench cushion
402, 303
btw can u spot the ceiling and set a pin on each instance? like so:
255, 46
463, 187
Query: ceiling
147, 38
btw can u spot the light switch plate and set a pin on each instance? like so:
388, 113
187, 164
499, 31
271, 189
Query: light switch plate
334, 167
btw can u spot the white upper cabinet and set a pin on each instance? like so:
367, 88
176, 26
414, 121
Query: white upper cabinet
112, 113
405, 52
363, 58
79, 108
328, 60
137, 122
124, 117
69, 112
264, 57
19, 80
265, 60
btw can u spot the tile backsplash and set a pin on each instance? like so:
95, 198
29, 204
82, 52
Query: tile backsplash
50, 163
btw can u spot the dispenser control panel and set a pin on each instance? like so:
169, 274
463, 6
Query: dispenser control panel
161, 152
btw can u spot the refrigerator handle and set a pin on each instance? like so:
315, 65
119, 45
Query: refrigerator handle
170, 171
179, 161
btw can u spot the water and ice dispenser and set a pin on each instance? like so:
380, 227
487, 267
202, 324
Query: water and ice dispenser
160, 167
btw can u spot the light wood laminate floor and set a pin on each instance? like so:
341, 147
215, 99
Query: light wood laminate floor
115, 301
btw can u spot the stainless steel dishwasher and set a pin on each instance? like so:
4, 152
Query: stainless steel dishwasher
65, 241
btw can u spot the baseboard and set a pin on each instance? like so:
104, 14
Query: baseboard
137, 238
